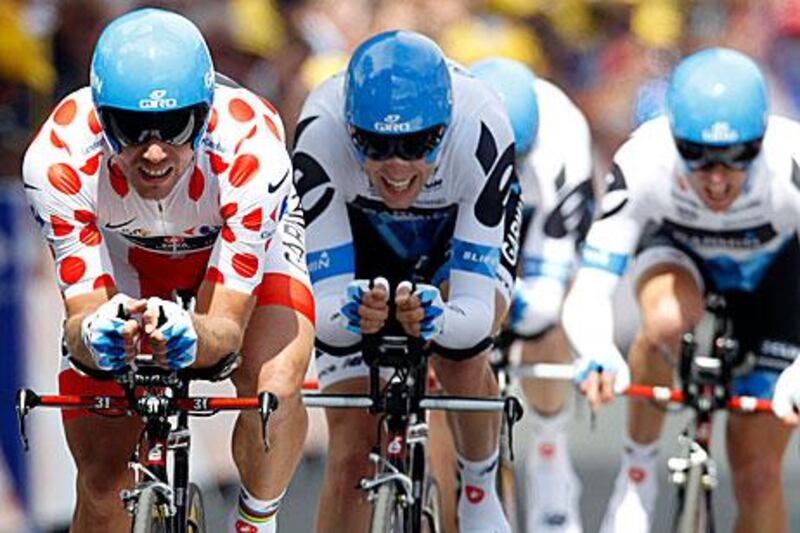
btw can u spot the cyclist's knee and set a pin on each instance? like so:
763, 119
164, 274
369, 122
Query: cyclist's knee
462, 377
756, 481
101, 483
664, 322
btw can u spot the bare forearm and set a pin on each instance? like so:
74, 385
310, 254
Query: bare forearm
73, 337
216, 337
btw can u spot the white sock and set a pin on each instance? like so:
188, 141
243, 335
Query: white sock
255, 516
479, 508
639, 465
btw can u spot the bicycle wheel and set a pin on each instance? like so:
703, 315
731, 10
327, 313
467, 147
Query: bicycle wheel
431, 509
693, 514
387, 516
152, 515
195, 511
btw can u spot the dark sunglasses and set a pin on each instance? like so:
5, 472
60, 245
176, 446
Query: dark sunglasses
176, 127
408, 146
703, 157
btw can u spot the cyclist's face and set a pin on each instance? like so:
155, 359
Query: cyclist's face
718, 186
154, 167
398, 181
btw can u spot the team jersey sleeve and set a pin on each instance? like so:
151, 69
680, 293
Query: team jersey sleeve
486, 175
254, 192
587, 315
331, 258
61, 186
562, 213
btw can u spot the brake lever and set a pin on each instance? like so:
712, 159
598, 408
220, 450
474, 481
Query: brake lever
26, 400
512, 411
267, 404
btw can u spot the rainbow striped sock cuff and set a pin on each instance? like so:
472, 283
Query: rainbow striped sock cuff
267, 509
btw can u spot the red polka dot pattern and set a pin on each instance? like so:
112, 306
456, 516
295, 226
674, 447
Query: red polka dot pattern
85, 217
245, 265
56, 141
215, 276
244, 169
227, 234
71, 269
268, 104
253, 219
118, 181
249, 135
102, 281
60, 226
196, 184
92, 164
64, 178
91, 236
94, 124
273, 128
65, 113
228, 210
218, 165
212, 121
241, 110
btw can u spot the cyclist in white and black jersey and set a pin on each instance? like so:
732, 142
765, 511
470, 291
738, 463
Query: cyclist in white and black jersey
404, 166
554, 165
705, 198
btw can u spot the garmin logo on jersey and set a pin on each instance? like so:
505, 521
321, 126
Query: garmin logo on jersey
392, 124
158, 100
720, 132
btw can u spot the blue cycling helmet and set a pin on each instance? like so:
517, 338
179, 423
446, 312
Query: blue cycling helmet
151, 61
397, 82
514, 82
717, 97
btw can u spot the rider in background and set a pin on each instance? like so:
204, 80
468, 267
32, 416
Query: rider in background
706, 198
157, 178
554, 165
404, 165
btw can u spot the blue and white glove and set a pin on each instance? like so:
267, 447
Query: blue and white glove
786, 398
178, 330
102, 334
429, 296
613, 363
356, 289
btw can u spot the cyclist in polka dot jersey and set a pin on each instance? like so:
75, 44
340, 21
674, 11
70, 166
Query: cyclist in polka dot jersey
173, 191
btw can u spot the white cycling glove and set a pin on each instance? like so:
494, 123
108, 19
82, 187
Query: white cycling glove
102, 334
356, 289
612, 363
429, 296
178, 330
787, 391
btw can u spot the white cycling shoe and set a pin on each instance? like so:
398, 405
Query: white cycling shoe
554, 487
631, 507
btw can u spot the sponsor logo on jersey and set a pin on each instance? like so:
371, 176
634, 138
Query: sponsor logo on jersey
158, 100
742, 239
720, 132
391, 124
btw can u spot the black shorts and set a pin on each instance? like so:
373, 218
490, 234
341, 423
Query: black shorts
766, 320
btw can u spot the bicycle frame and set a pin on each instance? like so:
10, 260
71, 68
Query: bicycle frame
400, 457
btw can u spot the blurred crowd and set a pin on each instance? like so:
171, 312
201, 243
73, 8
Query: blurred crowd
611, 56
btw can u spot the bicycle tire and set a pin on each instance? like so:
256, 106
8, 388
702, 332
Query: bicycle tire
195, 511
431, 507
150, 513
693, 509
387, 517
